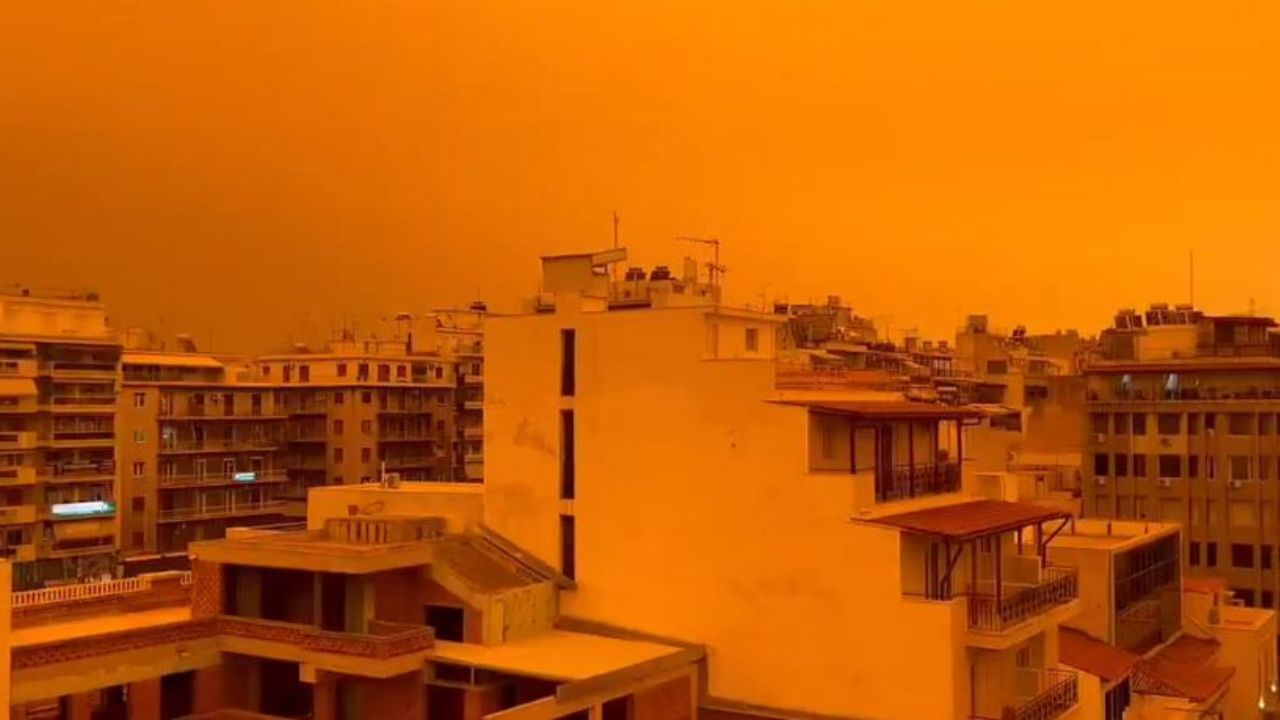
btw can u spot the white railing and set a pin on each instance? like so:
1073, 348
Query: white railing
92, 590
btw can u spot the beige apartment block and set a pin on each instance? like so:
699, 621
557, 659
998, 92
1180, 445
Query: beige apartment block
59, 374
199, 449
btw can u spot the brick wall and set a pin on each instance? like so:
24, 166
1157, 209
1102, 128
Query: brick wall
206, 589
671, 700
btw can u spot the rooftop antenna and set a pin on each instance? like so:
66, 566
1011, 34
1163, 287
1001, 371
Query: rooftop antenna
715, 269
1191, 278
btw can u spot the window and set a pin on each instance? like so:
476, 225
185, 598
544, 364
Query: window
1264, 467
568, 361
1139, 466
304, 373
752, 339
287, 370
1266, 424
339, 398
366, 427
1193, 466
1098, 423
1168, 424
568, 471
266, 371
139, 399
1266, 557
137, 538
366, 397
1122, 465
366, 454
997, 367
1210, 421
1035, 392
1240, 424
1210, 467
139, 436
362, 372
139, 468
1170, 466
447, 621
829, 440
1244, 595
342, 370
384, 373
1193, 423
139, 503
1268, 599
1211, 554
1239, 467
568, 552
338, 427
402, 371
1100, 464
1241, 555
1139, 423
337, 454
1195, 553
1121, 424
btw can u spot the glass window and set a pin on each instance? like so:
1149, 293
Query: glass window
1139, 466
1100, 464
1170, 466
1239, 467
1240, 424
1139, 423
1169, 423
1241, 555
1098, 423
1122, 465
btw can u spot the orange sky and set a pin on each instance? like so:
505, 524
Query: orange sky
243, 169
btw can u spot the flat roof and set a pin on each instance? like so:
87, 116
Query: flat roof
1083, 652
1121, 535
1254, 362
164, 359
973, 519
559, 655
887, 409
313, 550
107, 622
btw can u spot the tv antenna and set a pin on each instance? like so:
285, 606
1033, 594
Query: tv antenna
714, 268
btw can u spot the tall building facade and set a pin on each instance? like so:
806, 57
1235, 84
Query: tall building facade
460, 335
1184, 426
199, 451
59, 375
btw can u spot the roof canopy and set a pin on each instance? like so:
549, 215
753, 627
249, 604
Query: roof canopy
888, 409
974, 519
1084, 653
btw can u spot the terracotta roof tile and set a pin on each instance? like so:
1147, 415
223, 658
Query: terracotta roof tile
967, 520
1082, 652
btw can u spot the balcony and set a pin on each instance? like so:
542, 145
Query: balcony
902, 482
82, 403
383, 641
68, 438
17, 514
217, 446
395, 434
1020, 602
410, 408
17, 440
241, 478
1038, 695
70, 509
307, 434
232, 509
410, 461
14, 476
79, 369
193, 411
17, 367
474, 432
84, 472
473, 379
55, 549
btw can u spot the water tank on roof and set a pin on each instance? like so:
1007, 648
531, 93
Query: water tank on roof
661, 272
635, 273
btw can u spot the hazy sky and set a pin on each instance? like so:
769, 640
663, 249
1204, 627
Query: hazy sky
244, 168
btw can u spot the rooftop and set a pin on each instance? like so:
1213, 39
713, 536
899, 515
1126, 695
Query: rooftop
1181, 669
1083, 652
556, 655
887, 409
973, 519
1115, 535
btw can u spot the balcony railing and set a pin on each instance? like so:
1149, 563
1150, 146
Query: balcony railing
96, 438
81, 472
240, 478
22, 440
382, 641
247, 444
77, 368
222, 510
900, 482
1019, 603
1049, 694
17, 475
95, 401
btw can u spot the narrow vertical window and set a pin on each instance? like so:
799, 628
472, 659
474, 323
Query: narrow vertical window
568, 472
568, 362
568, 553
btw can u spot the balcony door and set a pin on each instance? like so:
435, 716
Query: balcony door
884, 459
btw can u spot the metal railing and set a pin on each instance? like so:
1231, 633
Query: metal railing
221, 510
76, 471
899, 482
1022, 602
218, 445
260, 476
1057, 692
382, 641
87, 399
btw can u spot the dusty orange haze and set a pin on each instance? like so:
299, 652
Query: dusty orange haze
243, 169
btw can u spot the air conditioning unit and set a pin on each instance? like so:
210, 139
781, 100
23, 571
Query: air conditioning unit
1098, 438
1101, 481
1166, 442
1235, 484
1165, 482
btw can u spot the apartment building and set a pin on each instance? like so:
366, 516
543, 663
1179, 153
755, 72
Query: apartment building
409, 610
821, 539
200, 450
59, 367
1183, 415
460, 335
362, 407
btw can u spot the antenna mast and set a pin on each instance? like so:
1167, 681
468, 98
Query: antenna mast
1191, 278
714, 268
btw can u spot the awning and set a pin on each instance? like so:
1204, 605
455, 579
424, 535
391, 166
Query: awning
888, 409
995, 410
22, 387
969, 520
1082, 652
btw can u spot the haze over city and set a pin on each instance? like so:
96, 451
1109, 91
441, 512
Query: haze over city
251, 172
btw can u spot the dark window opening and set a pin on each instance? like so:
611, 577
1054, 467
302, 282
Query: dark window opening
1122, 465
568, 470
618, 708
568, 553
448, 621
1244, 595
1241, 555
1266, 557
1211, 554
1100, 464
568, 362
1194, 554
